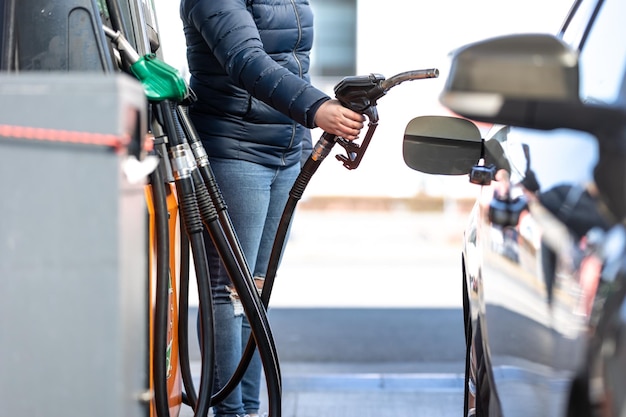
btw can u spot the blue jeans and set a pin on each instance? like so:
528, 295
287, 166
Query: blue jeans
255, 196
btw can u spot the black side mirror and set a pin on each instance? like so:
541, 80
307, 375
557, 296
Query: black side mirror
527, 80
441, 145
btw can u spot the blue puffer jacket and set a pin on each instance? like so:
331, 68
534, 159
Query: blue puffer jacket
249, 62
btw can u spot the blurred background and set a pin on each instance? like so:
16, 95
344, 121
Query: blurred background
359, 37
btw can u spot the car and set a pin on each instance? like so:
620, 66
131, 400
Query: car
542, 260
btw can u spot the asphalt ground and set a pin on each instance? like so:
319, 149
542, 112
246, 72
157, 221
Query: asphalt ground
366, 315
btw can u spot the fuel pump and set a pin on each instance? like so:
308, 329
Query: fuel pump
73, 263
198, 210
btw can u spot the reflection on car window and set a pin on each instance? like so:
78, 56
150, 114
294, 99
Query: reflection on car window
548, 169
603, 58
602, 66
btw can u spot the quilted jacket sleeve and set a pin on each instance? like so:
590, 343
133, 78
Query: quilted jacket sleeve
230, 32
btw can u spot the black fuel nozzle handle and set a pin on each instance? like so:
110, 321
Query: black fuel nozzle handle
361, 93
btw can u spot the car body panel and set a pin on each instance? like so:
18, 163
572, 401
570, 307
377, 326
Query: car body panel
554, 186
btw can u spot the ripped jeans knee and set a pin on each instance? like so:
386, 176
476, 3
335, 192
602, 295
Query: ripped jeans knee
236, 301
234, 296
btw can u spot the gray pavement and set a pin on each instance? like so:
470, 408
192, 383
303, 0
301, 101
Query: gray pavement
336, 390
366, 315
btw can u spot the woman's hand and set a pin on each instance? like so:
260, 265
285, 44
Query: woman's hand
338, 120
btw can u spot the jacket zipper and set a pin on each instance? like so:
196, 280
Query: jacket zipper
295, 56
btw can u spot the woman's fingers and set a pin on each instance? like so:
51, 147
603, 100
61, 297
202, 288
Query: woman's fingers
333, 118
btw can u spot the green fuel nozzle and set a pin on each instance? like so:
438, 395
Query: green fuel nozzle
160, 81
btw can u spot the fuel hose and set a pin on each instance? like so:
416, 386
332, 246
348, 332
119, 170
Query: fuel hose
225, 240
191, 218
189, 395
161, 292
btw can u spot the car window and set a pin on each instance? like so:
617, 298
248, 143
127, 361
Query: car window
603, 57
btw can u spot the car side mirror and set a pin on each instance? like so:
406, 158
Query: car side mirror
441, 145
525, 80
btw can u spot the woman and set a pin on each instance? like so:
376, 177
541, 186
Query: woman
249, 62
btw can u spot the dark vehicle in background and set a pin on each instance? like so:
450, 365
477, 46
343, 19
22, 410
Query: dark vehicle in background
543, 259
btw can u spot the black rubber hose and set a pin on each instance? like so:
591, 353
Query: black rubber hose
8, 36
257, 317
239, 274
190, 215
190, 398
307, 172
205, 204
295, 194
227, 231
241, 278
163, 168
211, 184
232, 241
159, 358
243, 282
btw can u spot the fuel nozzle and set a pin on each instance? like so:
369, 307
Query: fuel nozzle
361, 94
160, 81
